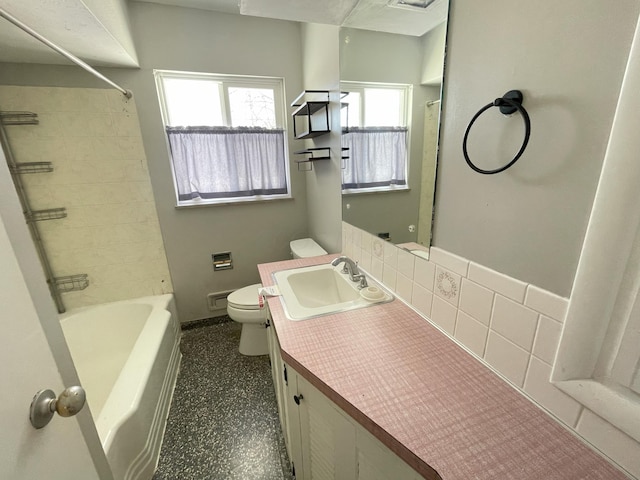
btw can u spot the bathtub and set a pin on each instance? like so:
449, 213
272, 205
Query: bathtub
127, 356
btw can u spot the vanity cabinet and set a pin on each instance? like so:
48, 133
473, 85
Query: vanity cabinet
323, 441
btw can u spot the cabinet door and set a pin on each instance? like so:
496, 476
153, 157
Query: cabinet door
327, 435
279, 375
377, 462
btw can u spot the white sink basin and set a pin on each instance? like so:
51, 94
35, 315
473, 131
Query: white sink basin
309, 292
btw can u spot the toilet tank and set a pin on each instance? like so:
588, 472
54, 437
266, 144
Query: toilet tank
306, 247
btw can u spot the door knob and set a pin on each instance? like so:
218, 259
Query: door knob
45, 404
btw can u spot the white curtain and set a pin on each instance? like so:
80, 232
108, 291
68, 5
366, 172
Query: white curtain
377, 157
221, 162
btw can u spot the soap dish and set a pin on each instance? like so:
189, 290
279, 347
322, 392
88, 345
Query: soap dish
373, 294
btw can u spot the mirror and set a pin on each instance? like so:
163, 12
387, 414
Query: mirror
375, 60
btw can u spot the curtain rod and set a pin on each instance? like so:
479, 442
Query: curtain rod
433, 102
7, 16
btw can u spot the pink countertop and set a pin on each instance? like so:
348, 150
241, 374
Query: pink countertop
425, 397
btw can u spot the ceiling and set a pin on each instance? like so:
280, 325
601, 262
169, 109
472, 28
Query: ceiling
98, 31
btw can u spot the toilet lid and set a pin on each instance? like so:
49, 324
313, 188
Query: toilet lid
245, 298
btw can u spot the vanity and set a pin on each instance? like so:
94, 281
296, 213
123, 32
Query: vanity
380, 393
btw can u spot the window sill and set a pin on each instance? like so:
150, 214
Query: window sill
365, 191
234, 201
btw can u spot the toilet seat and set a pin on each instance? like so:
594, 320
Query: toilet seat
245, 298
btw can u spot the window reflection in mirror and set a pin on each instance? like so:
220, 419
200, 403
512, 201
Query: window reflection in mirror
400, 210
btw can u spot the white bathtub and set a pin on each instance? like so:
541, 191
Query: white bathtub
127, 356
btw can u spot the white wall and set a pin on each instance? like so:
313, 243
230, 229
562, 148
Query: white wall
568, 58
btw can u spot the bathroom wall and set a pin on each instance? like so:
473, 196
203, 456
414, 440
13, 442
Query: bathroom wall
511, 326
203, 41
568, 58
320, 67
100, 176
368, 56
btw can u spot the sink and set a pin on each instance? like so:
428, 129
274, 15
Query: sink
309, 292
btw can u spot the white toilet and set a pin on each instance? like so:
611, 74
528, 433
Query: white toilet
243, 307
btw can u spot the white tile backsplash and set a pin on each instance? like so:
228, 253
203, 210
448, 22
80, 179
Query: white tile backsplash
471, 333
546, 303
444, 314
476, 301
424, 273
537, 385
547, 338
406, 261
515, 322
507, 358
448, 260
422, 299
447, 285
404, 286
512, 327
498, 282
611, 441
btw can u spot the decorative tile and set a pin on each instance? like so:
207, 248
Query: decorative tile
377, 248
514, 322
447, 285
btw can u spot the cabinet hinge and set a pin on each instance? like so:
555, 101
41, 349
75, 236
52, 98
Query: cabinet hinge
293, 470
286, 382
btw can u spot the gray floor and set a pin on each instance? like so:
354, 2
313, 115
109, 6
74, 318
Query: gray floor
223, 422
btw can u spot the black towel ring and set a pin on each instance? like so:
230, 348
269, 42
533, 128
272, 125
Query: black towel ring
510, 103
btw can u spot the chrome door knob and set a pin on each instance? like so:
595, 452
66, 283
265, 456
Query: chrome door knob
45, 404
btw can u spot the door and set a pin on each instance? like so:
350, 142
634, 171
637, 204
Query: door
59, 450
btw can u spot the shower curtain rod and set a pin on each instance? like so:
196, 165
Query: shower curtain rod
7, 16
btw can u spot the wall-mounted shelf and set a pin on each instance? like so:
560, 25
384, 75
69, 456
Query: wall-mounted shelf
312, 155
31, 167
48, 214
311, 118
71, 283
19, 118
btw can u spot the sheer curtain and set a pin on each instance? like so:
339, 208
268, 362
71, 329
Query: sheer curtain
222, 162
377, 157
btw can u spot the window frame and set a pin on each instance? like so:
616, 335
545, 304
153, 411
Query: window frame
407, 102
277, 84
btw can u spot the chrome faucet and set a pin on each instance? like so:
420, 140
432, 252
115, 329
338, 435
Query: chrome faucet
351, 268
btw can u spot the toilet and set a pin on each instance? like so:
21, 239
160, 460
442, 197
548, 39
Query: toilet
243, 307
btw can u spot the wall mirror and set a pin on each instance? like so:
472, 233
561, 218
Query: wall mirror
391, 76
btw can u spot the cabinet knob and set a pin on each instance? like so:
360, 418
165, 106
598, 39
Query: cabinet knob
297, 398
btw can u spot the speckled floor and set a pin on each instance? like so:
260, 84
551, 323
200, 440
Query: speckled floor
223, 423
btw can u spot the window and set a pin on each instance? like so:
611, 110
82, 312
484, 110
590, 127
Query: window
376, 132
226, 137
